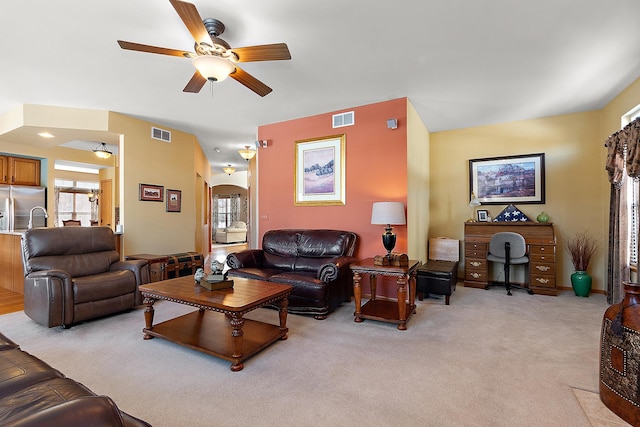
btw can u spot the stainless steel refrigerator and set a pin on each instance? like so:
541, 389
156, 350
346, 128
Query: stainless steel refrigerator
16, 202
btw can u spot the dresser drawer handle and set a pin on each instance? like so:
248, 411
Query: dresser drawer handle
543, 267
542, 280
475, 275
475, 263
542, 249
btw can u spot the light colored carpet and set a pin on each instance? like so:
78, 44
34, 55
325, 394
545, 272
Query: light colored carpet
485, 360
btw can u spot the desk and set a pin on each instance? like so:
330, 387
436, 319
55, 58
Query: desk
541, 248
387, 311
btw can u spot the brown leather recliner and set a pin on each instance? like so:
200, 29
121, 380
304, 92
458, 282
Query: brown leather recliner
74, 274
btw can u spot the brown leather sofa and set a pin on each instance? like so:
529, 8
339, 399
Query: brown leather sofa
32, 394
314, 262
74, 274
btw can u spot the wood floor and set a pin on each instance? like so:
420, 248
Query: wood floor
11, 301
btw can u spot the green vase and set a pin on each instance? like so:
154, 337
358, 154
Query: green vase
581, 283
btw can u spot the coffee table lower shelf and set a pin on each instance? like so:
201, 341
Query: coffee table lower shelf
211, 333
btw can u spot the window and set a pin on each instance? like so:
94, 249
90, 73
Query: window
224, 212
72, 201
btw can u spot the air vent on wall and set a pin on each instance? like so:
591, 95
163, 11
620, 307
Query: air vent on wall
160, 134
343, 119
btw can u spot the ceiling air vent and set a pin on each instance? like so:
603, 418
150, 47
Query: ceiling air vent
160, 134
343, 119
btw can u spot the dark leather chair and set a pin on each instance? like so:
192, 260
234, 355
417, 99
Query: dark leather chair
508, 248
74, 274
71, 223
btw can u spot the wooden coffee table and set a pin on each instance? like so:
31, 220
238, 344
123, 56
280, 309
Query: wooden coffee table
228, 336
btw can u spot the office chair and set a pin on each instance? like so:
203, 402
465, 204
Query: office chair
508, 248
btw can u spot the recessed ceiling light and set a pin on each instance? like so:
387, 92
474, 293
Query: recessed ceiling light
46, 135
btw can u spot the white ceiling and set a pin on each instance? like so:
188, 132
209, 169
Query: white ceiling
461, 63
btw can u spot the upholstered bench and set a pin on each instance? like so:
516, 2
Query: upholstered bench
438, 278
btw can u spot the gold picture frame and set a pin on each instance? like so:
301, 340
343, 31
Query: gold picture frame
320, 171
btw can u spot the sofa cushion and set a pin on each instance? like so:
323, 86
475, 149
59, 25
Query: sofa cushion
76, 265
279, 262
282, 243
85, 411
39, 397
310, 264
19, 369
305, 285
323, 243
103, 286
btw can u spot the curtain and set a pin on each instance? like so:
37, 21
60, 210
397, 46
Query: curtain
235, 207
56, 202
623, 160
214, 213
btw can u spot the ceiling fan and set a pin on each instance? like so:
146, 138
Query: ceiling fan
213, 58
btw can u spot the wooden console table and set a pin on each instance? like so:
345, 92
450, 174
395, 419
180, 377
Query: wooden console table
541, 249
387, 311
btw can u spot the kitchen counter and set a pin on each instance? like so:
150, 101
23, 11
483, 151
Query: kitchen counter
14, 232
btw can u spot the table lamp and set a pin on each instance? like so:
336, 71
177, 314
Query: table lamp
473, 203
388, 213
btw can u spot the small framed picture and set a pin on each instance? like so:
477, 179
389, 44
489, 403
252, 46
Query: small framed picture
174, 200
151, 193
483, 215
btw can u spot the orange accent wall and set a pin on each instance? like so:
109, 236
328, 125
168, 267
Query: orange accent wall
376, 170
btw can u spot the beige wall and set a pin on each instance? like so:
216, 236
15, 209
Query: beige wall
418, 171
576, 190
178, 165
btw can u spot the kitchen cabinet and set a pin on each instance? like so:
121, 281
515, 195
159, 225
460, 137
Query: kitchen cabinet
19, 171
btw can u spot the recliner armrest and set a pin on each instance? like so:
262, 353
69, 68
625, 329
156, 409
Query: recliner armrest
139, 267
46, 293
332, 270
250, 258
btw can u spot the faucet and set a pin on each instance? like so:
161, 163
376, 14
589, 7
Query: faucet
31, 215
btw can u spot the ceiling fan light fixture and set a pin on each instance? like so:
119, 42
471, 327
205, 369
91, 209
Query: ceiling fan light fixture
102, 151
247, 153
229, 170
213, 67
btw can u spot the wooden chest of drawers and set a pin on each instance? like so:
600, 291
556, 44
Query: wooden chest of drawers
541, 248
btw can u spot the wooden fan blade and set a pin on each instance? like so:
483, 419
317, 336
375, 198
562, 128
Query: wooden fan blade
195, 84
265, 52
153, 49
251, 82
191, 18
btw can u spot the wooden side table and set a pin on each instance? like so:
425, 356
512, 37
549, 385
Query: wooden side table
157, 265
386, 311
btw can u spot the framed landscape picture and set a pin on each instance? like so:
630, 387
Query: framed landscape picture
151, 193
510, 179
320, 171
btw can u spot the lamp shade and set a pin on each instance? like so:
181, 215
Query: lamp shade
229, 169
102, 151
474, 200
213, 67
388, 213
247, 153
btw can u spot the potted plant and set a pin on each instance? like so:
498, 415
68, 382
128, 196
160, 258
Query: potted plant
581, 246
